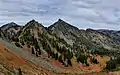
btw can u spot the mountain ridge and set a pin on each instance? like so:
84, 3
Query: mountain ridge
9, 25
65, 45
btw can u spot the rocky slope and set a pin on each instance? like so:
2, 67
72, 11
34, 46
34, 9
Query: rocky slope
12, 64
62, 47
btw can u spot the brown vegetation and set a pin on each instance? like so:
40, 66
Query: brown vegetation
14, 62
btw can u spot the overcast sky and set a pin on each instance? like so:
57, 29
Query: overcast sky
98, 14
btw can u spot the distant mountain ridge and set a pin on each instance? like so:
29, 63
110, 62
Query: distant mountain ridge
63, 43
71, 34
9, 25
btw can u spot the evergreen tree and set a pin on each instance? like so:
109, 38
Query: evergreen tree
56, 56
33, 52
94, 60
111, 65
53, 55
22, 42
69, 62
28, 46
36, 54
18, 45
39, 51
60, 59
20, 72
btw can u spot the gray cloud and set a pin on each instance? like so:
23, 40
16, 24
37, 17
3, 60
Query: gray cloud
81, 13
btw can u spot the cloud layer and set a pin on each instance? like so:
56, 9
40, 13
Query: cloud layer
97, 14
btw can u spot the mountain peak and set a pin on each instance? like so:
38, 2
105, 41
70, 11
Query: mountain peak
12, 23
6, 26
61, 24
33, 20
60, 20
33, 23
58, 24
